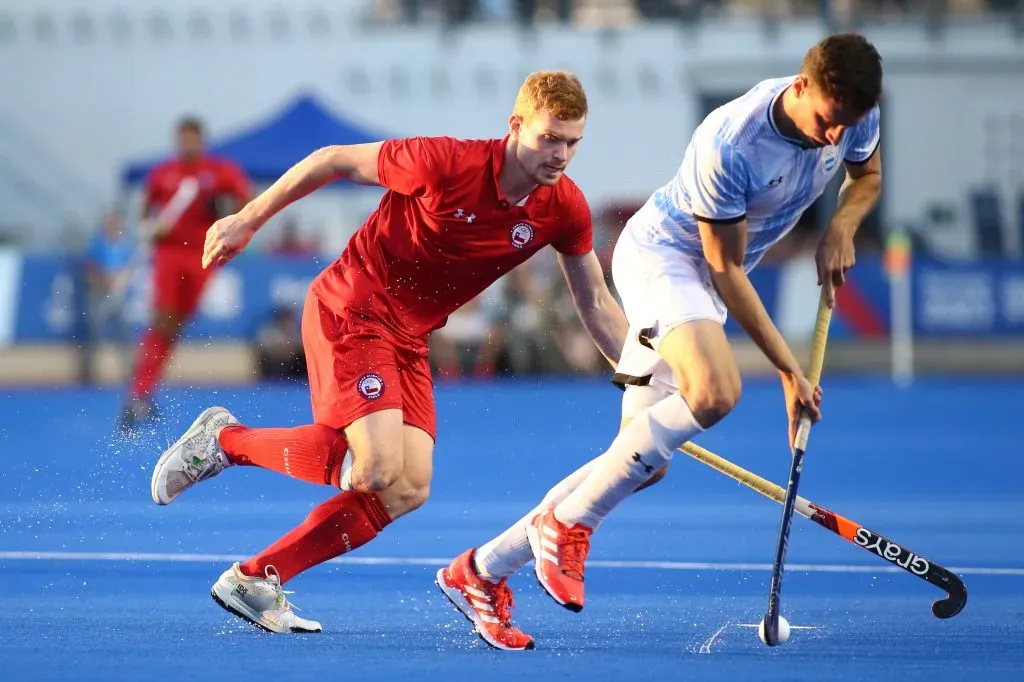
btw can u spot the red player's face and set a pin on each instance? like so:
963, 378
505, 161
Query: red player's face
546, 144
190, 144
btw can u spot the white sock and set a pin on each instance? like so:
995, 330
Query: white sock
510, 551
345, 479
644, 446
505, 554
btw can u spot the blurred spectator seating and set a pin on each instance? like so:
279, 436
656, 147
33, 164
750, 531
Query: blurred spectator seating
279, 346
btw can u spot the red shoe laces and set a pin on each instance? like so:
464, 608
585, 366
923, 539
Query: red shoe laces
574, 544
503, 602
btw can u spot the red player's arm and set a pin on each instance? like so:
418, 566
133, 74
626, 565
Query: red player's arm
601, 315
356, 162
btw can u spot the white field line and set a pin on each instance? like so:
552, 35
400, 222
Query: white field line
165, 557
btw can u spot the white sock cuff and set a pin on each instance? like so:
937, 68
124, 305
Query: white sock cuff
636, 399
505, 554
345, 478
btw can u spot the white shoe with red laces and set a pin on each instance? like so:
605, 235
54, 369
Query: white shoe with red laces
488, 605
559, 553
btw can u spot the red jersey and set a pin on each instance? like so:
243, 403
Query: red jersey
443, 233
215, 177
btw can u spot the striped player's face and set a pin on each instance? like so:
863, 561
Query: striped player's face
546, 144
820, 119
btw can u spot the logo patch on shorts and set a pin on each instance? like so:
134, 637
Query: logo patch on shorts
370, 386
522, 234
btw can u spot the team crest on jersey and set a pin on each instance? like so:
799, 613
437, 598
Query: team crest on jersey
370, 386
829, 159
522, 234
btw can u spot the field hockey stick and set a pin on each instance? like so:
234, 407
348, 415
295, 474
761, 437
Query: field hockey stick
771, 619
868, 540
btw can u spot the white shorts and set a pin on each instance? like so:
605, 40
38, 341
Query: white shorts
660, 289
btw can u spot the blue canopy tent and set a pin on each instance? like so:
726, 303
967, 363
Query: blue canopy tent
266, 151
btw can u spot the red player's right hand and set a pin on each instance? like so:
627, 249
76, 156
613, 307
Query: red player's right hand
225, 239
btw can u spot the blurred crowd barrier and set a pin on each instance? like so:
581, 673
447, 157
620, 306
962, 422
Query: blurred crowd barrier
620, 13
247, 328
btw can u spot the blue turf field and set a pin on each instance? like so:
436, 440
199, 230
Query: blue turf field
99, 583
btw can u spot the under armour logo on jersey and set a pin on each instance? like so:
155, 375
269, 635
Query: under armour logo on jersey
775, 182
459, 213
640, 460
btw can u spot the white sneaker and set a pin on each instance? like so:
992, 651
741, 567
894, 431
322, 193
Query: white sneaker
261, 601
196, 456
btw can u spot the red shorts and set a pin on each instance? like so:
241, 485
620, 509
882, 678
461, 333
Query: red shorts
354, 371
178, 280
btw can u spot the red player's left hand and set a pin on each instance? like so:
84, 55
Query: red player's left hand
226, 238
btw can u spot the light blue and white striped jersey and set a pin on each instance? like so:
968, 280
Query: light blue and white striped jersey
738, 164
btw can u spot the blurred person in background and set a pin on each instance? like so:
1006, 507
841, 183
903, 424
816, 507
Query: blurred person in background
279, 351
539, 337
106, 272
472, 341
573, 347
183, 197
291, 242
529, 11
529, 344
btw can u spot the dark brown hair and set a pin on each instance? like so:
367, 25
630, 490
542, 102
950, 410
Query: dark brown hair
190, 124
847, 68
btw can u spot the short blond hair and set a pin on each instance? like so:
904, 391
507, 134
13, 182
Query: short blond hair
560, 92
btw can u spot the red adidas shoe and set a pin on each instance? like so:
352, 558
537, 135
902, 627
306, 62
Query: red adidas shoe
559, 552
488, 605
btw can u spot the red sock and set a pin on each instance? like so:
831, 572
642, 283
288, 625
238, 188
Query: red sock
339, 525
149, 363
311, 453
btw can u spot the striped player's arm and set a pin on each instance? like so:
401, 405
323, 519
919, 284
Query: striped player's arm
715, 177
858, 195
724, 247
